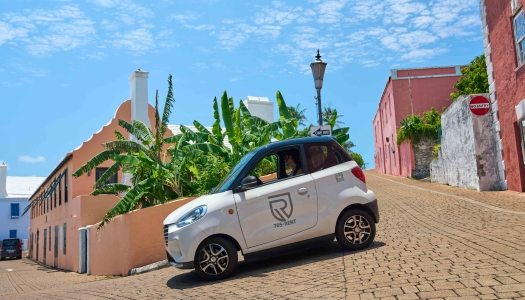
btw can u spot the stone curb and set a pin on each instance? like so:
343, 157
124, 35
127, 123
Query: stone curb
150, 267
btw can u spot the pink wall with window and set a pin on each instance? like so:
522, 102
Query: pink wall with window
408, 90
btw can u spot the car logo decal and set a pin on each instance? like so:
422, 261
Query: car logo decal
339, 177
281, 205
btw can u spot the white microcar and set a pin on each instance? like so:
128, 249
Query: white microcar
313, 192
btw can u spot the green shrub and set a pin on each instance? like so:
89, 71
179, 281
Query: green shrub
435, 151
210, 170
358, 159
414, 127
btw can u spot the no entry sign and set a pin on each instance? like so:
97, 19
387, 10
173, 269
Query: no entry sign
479, 105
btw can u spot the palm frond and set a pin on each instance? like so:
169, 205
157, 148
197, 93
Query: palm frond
168, 105
139, 132
111, 188
129, 202
109, 172
96, 160
124, 146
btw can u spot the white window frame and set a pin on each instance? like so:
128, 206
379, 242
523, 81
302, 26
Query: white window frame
514, 4
519, 40
521, 126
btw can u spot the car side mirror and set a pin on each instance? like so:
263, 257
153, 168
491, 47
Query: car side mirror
249, 182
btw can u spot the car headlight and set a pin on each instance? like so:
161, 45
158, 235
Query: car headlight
192, 216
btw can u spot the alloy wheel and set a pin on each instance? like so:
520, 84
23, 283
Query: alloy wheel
213, 259
357, 230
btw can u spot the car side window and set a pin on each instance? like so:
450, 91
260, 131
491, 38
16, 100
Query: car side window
320, 156
266, 169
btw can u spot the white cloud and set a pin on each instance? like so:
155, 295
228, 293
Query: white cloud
46, 31
329, 11
421, 54
137, 41
32, 160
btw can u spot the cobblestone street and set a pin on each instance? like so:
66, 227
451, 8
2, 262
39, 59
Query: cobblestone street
433, 241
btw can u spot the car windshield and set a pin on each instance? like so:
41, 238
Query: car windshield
226, 182
9, 243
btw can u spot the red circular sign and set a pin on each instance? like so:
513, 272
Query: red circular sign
479, 105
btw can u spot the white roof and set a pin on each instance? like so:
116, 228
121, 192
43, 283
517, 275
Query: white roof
176, 130
22, 186
256, 98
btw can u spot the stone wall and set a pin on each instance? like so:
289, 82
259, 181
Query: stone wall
467, 157
423, 157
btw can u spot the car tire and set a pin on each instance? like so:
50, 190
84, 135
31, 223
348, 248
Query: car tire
355, 229
216, 258
19, 257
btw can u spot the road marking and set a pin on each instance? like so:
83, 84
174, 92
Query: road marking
457, 197
9, 270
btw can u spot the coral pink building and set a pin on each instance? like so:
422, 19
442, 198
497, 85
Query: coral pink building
503, 24
408, 91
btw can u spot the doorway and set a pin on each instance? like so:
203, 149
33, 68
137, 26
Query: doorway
45, 246
55, 265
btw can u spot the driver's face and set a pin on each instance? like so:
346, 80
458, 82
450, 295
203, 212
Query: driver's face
288, 159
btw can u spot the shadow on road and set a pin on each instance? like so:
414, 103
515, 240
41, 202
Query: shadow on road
260, 268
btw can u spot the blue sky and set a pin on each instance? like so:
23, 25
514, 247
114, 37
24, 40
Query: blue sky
64, 65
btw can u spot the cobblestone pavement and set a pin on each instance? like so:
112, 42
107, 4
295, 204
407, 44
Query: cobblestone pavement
433, 242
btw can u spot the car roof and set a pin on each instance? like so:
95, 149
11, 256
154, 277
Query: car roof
295, 141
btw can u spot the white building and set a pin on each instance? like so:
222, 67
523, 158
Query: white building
14, 194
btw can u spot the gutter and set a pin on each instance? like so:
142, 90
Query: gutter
60, 164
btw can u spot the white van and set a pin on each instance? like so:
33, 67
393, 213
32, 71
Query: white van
313, 193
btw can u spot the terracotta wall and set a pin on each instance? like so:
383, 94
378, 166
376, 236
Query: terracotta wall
130, 241
510, 87
93, 209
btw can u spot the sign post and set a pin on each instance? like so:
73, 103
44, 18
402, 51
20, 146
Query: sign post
324, 130
479, 105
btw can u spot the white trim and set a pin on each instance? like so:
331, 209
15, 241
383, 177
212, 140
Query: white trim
492, 93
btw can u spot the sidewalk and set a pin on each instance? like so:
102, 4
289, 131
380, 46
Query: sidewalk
509, 200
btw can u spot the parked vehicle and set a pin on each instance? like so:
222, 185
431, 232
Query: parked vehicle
11, 248
313, 193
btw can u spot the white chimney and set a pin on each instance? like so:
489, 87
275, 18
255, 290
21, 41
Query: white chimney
138, 93
260, 107
3, 180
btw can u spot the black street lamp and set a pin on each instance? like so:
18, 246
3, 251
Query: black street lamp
318, 68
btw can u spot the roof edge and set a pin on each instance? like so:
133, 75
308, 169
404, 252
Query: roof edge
60, 164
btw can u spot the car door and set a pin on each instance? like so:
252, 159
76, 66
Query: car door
277, 209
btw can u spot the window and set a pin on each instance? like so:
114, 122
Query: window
100, 171
65, 231
12, 235
49, 238
55, 195
65, 185
519, 35
514, 4
15, 210
320, 156
521, 125
266, 169
60, 192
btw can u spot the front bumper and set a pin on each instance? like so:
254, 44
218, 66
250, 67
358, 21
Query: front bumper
184, 265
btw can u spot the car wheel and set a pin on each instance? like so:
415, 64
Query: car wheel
19, 257
355, 229
216, 258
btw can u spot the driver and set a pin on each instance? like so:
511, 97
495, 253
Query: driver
293, 160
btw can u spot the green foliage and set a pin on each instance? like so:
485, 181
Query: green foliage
298, 114
358, 159
155, 177
435, 151
210, 170
328, 113
474, 79
414, 127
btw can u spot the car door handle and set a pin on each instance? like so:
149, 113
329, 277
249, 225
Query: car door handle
302, 190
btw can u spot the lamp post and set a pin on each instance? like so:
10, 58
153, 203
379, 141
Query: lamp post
318, 68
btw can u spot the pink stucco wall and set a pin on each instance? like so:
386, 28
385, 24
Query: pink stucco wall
427, 88
130, 241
